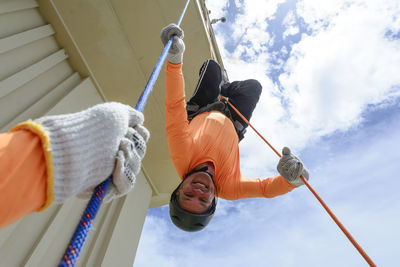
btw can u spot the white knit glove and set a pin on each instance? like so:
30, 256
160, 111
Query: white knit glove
175, 53
85, 145
131, 152
290, 167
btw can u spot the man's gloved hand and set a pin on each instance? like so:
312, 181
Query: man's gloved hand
291, 167
175, 53
88, 146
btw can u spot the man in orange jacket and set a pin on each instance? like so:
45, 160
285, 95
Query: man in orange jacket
55, 158
203, 137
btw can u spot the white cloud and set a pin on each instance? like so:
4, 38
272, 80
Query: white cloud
151, 251
333, 75
318, 15
290, 23
329, 80
255, 12
217, 8
248, 27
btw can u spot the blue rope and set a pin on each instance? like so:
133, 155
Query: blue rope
82, 230
154, 75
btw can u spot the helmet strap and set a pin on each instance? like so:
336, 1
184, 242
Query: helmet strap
204, 169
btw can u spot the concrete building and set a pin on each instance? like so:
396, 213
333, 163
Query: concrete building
59, 56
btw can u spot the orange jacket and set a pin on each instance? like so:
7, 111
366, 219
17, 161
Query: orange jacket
210, 136
23, 175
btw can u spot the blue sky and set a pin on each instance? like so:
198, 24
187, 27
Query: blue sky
331, 88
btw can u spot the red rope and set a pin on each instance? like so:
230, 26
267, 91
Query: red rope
341, 226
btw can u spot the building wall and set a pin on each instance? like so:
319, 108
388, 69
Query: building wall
36, 78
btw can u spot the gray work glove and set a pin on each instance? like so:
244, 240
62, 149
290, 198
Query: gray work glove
175, 53
88, 146
290, 167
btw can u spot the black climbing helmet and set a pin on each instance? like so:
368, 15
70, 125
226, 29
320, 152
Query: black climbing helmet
187, 221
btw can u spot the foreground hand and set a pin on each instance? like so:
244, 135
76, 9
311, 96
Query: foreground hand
131, 152
85, 147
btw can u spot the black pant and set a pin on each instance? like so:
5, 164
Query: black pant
244, 95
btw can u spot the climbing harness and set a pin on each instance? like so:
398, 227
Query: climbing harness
212, 82
82, 231
221, 106
341, 226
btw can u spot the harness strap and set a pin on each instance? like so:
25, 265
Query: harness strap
204, 169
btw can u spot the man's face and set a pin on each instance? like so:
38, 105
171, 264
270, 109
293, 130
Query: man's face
196, 193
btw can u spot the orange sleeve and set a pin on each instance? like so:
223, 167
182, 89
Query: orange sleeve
269, 187
23, 179
177, 126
